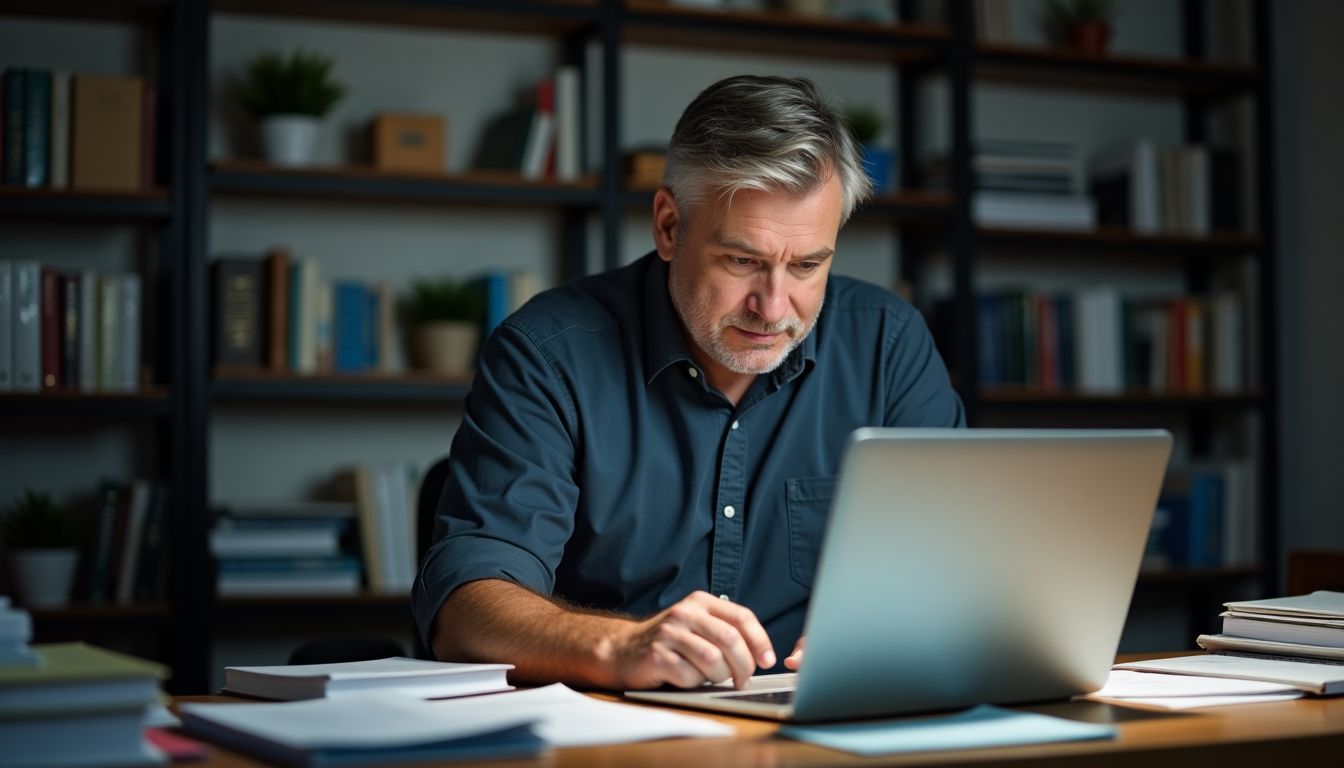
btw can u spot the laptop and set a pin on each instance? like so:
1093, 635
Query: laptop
962, 567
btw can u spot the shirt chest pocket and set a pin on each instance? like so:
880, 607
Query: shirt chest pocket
809, 504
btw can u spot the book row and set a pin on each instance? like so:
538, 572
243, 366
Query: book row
1206, 518
87, 132
68, 331
1096, 341
541, 137
125, 559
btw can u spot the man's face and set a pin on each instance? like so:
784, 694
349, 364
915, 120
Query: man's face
748, 277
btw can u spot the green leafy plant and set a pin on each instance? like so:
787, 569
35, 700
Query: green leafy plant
300, 84
36, 521
865, 123
1056, 16
443, 299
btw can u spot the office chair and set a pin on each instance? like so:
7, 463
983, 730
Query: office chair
330, 650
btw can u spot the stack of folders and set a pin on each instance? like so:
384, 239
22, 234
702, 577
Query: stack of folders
361, 712
1308, 626
78, 705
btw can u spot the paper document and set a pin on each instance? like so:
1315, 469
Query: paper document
426, 679
1320, 604
1166, 691
1269, 647
982, 726
1322, 679
566, 718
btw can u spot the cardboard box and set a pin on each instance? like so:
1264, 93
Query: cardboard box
406, 142
106, 142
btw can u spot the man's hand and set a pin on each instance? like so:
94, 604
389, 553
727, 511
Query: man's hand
795, 659
700, 639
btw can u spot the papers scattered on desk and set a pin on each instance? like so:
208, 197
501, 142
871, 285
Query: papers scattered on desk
388, 726
980, 727
372, 727
426, 679
1325, 679
1167, 691
566, 718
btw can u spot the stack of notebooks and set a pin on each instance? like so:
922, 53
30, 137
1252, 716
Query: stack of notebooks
78, 705
1305, 626
16, 629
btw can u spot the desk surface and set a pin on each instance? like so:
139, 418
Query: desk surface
1305, 732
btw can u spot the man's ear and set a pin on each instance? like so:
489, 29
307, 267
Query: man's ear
666, 223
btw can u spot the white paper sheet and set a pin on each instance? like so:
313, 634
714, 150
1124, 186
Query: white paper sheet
566, 718
1153, 689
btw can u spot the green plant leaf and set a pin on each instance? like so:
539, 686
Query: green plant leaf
300, 84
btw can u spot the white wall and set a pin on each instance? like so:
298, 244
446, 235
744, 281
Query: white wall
1310, 178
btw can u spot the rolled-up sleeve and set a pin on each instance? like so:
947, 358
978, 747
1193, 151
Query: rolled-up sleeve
507, 509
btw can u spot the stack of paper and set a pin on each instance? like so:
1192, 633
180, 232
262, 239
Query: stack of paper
16, 629
388, 726
1323, 679
79, 705
1166, 691
1310, 626
425, 679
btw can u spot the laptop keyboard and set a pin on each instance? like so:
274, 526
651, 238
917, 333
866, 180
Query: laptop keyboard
767, 697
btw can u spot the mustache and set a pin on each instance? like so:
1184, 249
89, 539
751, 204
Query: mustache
753, 323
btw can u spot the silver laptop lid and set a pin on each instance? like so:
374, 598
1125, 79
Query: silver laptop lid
970, 566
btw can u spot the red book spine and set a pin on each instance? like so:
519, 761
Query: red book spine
51, 329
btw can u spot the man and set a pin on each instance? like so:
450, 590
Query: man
641, 480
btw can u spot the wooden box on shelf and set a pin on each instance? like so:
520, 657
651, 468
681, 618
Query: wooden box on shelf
408, 142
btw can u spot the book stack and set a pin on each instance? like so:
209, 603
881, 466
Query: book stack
68, 331
1023, 185
1309, 627
541, 137
126, 557
79, 705
1186, 190
77, 131
285, 548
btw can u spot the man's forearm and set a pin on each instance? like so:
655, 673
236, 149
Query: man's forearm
498, 621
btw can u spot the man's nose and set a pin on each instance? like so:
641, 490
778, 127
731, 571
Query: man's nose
768, 299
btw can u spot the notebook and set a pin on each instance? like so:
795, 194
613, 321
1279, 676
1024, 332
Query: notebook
426, 679
965, 567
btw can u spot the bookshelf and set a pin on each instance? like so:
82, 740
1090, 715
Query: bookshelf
194, 210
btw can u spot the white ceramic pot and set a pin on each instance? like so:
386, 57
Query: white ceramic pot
446, 347
807, 7
44, 576
290, 140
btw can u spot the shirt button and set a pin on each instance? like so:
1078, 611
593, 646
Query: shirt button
693, 372
728, 511
724, 597
734, 425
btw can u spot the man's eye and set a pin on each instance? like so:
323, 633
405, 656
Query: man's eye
806, 266
740, 261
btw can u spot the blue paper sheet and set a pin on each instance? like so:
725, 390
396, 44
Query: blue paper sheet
979, 727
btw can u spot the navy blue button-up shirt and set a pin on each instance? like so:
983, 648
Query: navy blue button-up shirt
595, 463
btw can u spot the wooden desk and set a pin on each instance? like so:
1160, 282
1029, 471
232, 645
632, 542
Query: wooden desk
1306, 732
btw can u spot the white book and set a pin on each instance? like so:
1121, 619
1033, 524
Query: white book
6, 325
1256, 628
539, 141
1198, 210
568, 124
386, 497
88, 331
400, 514
370, 530
109, 332
309, 289
1241, 538
128, 320
60, 129
390, 357
1323, 679
287, 584
1097, 340
298, 542
27, 339
425, 679
1322, 604
1274, 649
1229, 342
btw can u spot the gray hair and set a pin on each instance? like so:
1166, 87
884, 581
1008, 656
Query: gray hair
763, 133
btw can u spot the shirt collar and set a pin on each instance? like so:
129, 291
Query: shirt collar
665, 342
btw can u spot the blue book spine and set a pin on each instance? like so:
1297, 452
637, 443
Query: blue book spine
1176, 542
1068, 377
15, 79
295, 330
1206, 520
496, 300
352, 321
371, 335
37, 128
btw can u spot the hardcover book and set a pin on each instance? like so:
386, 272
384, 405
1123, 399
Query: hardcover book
6, 325
27, 339
36, 128
106, 142
237, 312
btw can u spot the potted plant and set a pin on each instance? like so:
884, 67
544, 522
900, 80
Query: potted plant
865, 123
1081, 25
42, 538
444, 317
290, 95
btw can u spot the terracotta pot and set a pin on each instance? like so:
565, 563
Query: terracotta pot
447, 348
1092, 38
